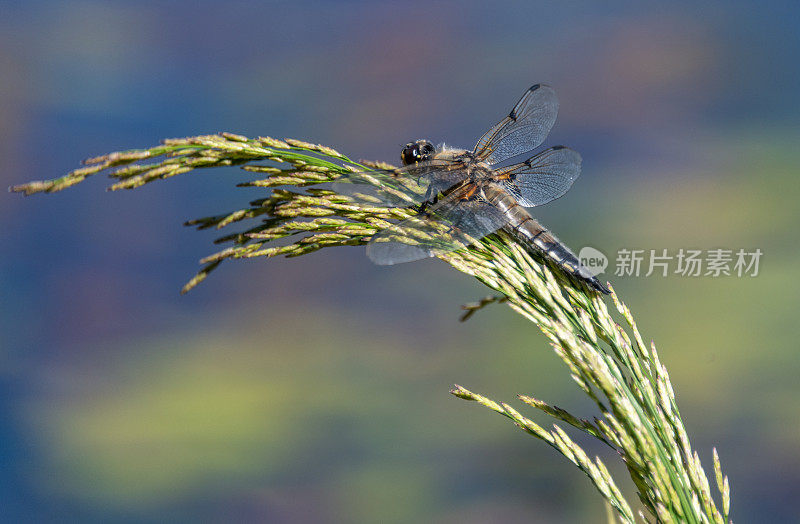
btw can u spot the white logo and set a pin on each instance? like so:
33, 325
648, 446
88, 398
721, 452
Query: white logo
593, 260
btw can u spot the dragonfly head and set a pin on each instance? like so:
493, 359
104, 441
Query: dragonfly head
417, 151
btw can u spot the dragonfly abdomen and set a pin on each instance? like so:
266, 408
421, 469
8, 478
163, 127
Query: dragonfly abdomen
525, 228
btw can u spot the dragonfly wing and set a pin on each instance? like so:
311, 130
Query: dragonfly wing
462, 218
524, 129
404, 186
542, 178
381, 190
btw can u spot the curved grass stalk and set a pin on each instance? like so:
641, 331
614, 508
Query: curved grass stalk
638, 414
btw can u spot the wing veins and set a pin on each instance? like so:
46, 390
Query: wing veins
524, 129
542, 178
454, 222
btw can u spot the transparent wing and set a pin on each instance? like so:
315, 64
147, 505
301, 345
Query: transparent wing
461, 218
404, 186
524, 129
543, 177
381, 188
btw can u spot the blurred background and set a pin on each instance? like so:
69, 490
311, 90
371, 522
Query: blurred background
316, 389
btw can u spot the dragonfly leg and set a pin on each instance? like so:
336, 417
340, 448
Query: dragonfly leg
428, 200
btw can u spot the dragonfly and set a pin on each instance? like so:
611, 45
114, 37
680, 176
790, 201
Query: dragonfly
461, 196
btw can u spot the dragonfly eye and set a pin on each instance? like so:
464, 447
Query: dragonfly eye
411, 154
415, 152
